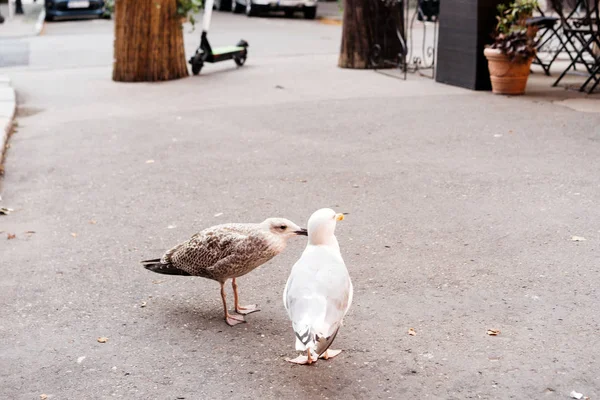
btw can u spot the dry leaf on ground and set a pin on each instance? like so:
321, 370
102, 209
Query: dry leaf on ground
412, 332
143, 304
578, 238
493, 332
92, 221
73, 234
5, 211
10, 236
102, 339
149, 161
43, 396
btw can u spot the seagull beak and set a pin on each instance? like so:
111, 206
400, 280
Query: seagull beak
339, 217
301, 232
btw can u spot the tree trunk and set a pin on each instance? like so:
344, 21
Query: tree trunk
148, 41
370, 34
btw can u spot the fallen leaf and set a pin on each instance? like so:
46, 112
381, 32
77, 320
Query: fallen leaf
218, 214
171, 226
143, 304
10, 236
149, 161
578, 238
93, 221
5, 211
157, 282
73, 234
493, 332
102, 339
412, 332
43, 396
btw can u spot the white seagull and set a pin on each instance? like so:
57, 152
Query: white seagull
319, 291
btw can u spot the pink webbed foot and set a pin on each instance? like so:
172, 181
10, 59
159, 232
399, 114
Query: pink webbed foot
233, 320
329, 354
244, 310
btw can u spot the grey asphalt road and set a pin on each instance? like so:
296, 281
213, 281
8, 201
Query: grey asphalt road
462, 209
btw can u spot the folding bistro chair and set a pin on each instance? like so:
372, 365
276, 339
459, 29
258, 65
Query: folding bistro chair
546, 33
584, 31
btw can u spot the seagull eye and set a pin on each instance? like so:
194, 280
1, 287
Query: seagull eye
283, 227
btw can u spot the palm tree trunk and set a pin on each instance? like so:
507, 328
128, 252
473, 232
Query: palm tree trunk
148, 41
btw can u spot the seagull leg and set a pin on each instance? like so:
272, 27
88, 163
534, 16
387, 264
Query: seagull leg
329, 354
302, 360
241, 309
230, 319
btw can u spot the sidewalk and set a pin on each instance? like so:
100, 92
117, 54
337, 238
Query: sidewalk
11, 53
8, 106
28, 24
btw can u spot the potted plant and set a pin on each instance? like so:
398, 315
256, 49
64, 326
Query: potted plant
510, 56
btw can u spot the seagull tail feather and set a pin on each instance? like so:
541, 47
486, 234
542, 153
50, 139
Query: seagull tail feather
161, 268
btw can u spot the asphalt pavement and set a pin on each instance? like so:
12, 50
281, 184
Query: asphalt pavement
467, 214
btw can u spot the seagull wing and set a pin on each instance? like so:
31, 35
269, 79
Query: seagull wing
200, 254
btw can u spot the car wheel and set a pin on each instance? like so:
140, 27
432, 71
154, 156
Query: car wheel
251, 9
223, 5
236, 7
310, 12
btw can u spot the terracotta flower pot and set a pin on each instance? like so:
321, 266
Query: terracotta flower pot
507, 77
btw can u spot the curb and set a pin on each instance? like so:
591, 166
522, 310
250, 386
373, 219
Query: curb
8, 106
39, 24
330, 21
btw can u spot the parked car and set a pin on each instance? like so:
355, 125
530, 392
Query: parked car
73, 8
255, 7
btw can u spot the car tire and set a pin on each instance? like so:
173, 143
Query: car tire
251, 9
236, 7
289, 13
310, 12
223, 5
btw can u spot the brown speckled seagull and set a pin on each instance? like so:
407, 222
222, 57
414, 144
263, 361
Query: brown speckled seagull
225, 252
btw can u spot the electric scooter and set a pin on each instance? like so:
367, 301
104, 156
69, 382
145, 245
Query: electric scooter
205, 53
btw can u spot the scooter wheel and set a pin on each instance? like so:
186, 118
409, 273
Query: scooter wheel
196, 67
239, 60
